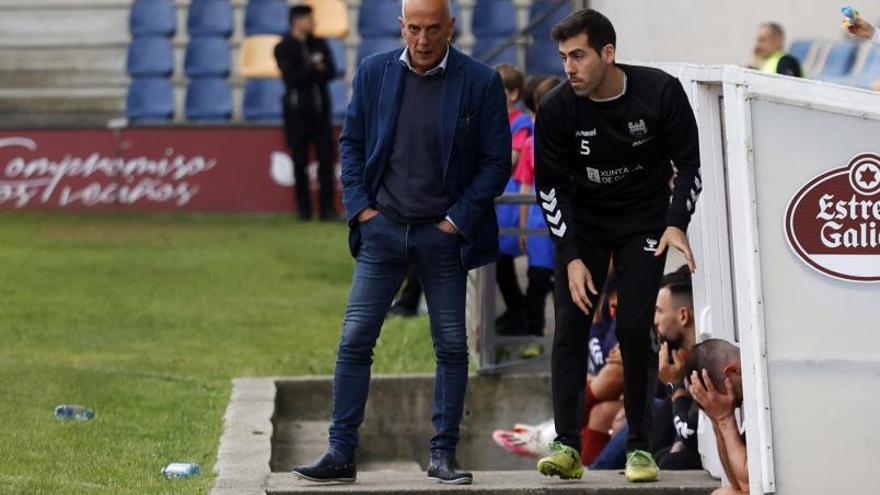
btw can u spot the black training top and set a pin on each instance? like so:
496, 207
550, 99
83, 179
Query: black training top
608, 164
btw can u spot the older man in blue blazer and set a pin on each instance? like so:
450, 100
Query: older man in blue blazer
425, 149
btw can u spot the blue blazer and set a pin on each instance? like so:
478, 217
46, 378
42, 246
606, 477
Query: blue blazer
474, 136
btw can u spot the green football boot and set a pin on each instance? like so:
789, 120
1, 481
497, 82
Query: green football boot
563, 461
640, 466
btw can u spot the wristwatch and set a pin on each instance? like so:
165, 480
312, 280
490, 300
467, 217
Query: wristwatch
671, 388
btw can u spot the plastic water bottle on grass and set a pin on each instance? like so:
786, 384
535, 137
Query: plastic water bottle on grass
178, 470
81, 413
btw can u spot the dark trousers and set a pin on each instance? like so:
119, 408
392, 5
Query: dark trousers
302, 131
683, 460
411, 293
505, 275
638, 275
540, 284
387, 249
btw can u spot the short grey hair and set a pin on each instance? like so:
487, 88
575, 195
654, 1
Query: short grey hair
403, 8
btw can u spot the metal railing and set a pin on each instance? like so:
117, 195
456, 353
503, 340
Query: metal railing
491, 347
520, 34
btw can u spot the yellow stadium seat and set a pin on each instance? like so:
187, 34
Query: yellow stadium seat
331, 18
258, 57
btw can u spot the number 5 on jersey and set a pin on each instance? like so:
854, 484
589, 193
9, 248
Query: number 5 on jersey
585, 147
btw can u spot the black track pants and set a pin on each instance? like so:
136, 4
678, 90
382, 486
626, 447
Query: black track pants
638, 274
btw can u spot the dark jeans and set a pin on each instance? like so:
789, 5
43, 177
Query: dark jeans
638, 275
301, 132
387, 249
411, 293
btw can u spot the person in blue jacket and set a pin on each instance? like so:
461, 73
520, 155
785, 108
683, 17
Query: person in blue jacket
425, 149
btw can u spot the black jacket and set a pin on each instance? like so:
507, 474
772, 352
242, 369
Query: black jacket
307, 93
609, 164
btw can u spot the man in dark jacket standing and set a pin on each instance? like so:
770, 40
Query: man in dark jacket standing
307, 66
425, 150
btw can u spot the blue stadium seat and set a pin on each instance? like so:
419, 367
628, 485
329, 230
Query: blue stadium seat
210, 18
376, 18
267, 17
542, 58
207, 56
485, 45
457, 20
871, 72
150, 56
800, 49
153, 17
209, 99
340, 59
839, 62
373, 16
494, 19
370, 46
339, 99
150, 99
262, 99
539, 8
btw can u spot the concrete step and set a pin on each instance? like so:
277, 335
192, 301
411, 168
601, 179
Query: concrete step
61, 106
72, 24
82, 58
49, 79
502, 482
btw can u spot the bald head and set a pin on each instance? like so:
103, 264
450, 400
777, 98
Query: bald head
442, 7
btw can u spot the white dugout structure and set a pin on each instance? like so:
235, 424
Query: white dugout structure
786, 240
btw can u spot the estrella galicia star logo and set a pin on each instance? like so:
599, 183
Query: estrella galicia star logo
864, 175
867, 176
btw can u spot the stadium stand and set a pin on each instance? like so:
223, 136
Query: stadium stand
77, 71
870, 76
493, 19
153, 17
257, 57
150, 56
340, 55
150, 99
262, 99
210, 18
266, 17
801, 49
369, 46
209, 99
208, 56
495, 51
542, 55
339, 97
331, 18
373, 17
839, 62
544, 14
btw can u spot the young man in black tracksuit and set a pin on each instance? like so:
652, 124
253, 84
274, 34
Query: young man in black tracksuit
307, 67
617, 175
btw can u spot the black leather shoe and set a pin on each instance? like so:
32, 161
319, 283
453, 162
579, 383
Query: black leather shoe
327, 469
444, 468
